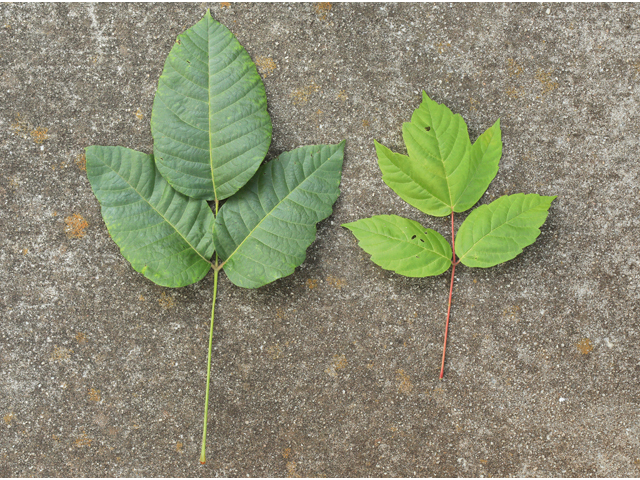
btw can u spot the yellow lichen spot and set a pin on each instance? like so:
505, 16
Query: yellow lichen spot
286, 453
7, 418
266, 66
39, 135
179, 447
365, 123
442, 46
339, 363
513, 92
75, 226
225, 4
545, 79
141, 298
81, 162
312, 283
25, 251
166, 301
60, 354
484, 462
274, 352
370, 365
322, 9
404, 383
139, 114
342, 96
83, 440
513, 68
584, 346
302, 95
94, 395
336, 282
80, 338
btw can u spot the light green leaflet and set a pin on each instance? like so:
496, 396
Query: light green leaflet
210, 125
263, 232
442, 174
211, 132
402, 245
163, 234
498, 232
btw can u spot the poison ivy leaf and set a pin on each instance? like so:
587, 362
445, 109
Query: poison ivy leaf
210, 124
262, 233
484, 157
498, 232
402, 245
163, 234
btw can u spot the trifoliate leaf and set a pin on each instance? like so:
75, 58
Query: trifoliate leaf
497, 232
402, 245
262, 233
210, 124
163, 234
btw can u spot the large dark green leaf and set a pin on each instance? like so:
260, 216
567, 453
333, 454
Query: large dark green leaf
210, 124
262, 233
498, 232
402, 245
163, 234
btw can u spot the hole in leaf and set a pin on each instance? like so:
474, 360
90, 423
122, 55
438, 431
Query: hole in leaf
413, 238
422, 240
427, 128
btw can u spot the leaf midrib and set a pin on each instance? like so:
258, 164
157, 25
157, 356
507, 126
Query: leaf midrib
213, 181
155, 209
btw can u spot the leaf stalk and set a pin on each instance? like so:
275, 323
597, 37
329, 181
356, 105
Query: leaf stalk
454, 262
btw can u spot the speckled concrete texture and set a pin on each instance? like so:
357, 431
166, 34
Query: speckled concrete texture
332, 371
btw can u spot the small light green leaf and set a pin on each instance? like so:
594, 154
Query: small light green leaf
484, 158
262, 233
438, 144
402, 245
397, 172
210, 124
497, 232
163, 234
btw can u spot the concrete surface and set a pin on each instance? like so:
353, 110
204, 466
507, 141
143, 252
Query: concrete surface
332, 371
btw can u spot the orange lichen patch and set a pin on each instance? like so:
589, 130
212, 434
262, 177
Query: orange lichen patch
291, 470
342, 96
81, 162
266, 66
60, 354
404, 383
483, 462
322, 9
83, 440
336, 282
166, 301
365, 123
80, 337
25, 251
75, 226
225, 4
302, 95
141, 298
274, 352
339, 363
312, 283
179, 447
94, 395
513, 68
7, 418
513, 92
286, 453
39, 135
545, 79
584, 346
139, 114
